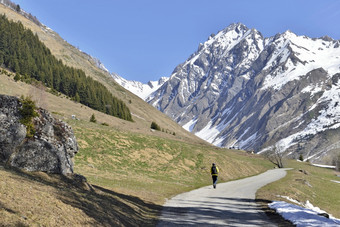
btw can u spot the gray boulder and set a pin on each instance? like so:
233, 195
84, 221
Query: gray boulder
51, 149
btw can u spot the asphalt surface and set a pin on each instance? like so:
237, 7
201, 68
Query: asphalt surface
230, 204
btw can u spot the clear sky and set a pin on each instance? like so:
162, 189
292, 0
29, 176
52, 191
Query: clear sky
146, 39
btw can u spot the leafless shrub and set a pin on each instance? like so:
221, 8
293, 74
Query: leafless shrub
275, 156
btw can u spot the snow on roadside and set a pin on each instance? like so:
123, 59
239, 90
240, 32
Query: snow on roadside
308, 215
324, 166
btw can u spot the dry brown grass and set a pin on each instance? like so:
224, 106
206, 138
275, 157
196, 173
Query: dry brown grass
65, 108
38, 199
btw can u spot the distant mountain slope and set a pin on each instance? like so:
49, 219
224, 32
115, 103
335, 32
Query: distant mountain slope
141, 90
241, 89
142, 113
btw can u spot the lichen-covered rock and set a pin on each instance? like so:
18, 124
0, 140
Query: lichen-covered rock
51, 149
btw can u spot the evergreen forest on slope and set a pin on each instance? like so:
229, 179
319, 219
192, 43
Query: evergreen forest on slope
23, 53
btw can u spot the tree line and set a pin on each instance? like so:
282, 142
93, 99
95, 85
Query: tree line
22, 52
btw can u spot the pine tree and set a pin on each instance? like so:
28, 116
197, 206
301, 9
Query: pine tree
18, 9
155, 126
93, 119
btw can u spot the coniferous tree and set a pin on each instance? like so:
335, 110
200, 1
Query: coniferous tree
155, 126
22, 52
93, 119
18, 8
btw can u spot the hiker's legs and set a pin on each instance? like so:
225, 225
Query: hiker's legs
214, 181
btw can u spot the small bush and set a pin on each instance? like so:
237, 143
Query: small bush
28, 112
301, 157
93, 119
155, 126
17, 77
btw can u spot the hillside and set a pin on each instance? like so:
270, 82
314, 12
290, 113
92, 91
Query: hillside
132, 168
52, 200
126, 167
142, 113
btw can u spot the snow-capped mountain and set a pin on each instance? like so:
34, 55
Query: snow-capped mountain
138, 88
241, 89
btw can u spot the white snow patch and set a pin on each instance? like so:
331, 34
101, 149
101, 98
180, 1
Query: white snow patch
135, 115
190, 125
249, 140
208, 133
303, 216
324, 166
311, 54
329, 118
313, 89
138, 88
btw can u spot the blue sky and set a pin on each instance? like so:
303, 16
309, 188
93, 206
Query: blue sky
145, 39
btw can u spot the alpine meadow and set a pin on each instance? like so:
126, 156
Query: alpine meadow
129, 157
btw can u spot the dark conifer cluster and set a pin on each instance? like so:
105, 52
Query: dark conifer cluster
22, 52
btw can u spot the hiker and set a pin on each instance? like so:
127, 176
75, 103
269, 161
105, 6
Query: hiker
214, 174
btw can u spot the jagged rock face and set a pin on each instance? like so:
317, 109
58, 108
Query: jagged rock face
51, 149
241, 89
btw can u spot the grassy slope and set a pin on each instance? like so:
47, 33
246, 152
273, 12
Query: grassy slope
143, 114
135, 170
315, 186
152, 167
38, 199
139, 167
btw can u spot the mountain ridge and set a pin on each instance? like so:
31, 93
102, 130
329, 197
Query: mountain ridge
143, 114
138, 88
238, 74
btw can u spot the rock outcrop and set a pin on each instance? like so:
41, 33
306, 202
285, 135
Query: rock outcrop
50, 149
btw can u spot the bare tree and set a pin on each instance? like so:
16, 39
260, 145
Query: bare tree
275, 156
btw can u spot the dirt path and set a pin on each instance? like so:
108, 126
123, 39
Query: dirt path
230, 204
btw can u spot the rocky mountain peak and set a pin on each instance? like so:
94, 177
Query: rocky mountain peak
237, 27
241, 89
227, 37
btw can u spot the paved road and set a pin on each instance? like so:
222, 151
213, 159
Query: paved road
230, 204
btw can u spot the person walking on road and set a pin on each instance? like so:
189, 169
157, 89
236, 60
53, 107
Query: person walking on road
214, 173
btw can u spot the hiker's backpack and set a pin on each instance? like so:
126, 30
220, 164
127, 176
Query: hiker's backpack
213, 170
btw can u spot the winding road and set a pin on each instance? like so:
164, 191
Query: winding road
230, 204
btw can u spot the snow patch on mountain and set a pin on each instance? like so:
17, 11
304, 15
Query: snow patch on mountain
329, 118
138, 88
242, 89
309, 54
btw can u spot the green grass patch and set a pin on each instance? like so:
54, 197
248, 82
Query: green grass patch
152, 167
307, 182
